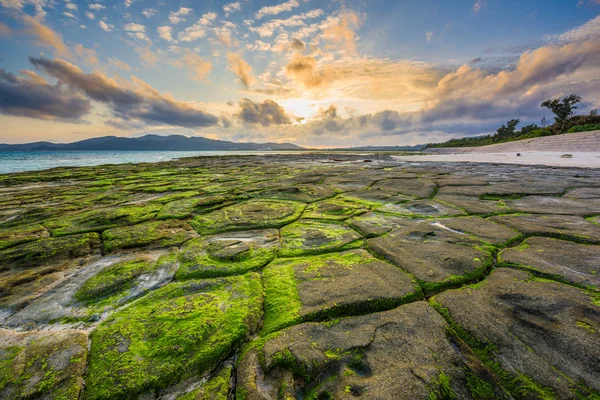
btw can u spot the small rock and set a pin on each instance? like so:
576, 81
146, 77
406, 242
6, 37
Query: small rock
518, 154
567, 156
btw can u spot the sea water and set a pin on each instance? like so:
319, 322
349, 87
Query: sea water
37, 160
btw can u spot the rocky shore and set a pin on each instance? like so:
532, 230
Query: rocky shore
300, 276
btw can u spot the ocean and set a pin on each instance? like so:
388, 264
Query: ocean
38, 160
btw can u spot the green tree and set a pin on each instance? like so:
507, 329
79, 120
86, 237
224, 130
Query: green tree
562, 109
506, 131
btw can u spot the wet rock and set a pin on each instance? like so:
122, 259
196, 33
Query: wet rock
177, 330
300, 192
336, 209
437, 257
227, 253
422, 208
558, 259
411, 187
252, 214
376, 356
554, 205
561, 226
331, 285
473, 204
38, 365
184, 208
23, 234
152, 235
542, 334
312, 237
376, 197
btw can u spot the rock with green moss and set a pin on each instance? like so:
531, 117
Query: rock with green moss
473, 204
216, 387
308, 236
252, 214
155, 234
411, 187
377, 356
227, 253
332, 285
422, 208
302, 192
184, 208
42, 365
376, 197
377, 224
101, 219
540, 337
439, 258
558, 259
22, 234
334, 209
178, 330
570, 227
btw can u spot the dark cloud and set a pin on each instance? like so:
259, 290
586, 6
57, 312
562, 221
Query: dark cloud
35, 98
140, 103
266, 113
297, 44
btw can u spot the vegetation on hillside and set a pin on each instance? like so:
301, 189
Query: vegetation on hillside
565, 121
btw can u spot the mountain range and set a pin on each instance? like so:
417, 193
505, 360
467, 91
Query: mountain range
148, 142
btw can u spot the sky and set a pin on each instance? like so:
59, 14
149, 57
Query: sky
314, 73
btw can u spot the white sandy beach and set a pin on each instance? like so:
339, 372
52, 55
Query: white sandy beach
583, 147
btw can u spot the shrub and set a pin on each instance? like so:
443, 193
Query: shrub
584, 128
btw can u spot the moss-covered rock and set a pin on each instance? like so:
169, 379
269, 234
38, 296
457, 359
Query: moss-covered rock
217, 387
150, 234
539, 337
558, 259
411, 187
184, 208
422, 208
335, 209
227, 253
301, 192
332, 285
178, 330
377, 356
252, 214
313, 237
101, 219
22, 234
42, 365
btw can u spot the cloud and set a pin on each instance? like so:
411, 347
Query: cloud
269, 27
105, 27
46, 37
166, 33
96, 6
71, 6
297, 44
265, 113
119, 64
136, 31
148, 57
588, 31
68, 14
198, 68
90, 15
5, 30
175, 17
232, 7
31, 96
241, 69
279, 8
137, 101
341, 29
479, 4
89, 56
198, 30
429, 36
128, 3
148, 12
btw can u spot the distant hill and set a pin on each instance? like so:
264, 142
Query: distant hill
148, 142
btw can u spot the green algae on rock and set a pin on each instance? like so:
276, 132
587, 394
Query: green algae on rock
335, 209
177, 330
377, 356
227, 253
421, 208
184, 208
101, 219
253, 214
22, 234
538, 336
42, 365
557, 259
155, 234
332, 285
307, 236
217, 387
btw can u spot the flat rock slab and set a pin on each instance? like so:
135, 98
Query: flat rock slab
302, 192
42, 365
252, 214
178, 330
308, 236
554, 205
561, 226
422, 208
348, 283
478, 229
376, 224
411, 187
227, 253
184, 208
583, 193
559, 259
473, 204
438, 258
23, 234
153, 235
543, 334
378, 356
376, 197
101, 219
337, 209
